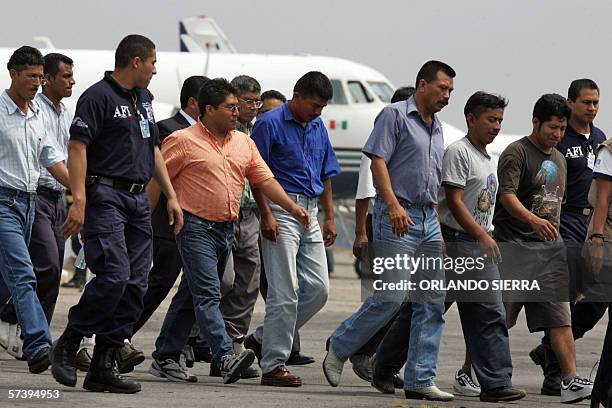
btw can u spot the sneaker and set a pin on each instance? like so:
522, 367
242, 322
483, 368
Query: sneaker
576, 390
362, 367
281, 377
4, 334
171, 370
15, 343
128, 358
464, 385
502, 394
232, 365
249, 372
431, 393
332, 367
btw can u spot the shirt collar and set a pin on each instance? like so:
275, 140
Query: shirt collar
189, 119
573, 132
244, 129
288, 116
411, 108
209, 134
109, 77
11, 106
46, 100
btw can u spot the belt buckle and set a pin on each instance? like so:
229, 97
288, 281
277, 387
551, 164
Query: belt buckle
586, 211
136, 188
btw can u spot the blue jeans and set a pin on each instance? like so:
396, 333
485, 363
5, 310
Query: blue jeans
428, 306
204, 247
298, 282
17, 211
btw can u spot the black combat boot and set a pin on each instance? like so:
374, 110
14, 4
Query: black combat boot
103, 376
63, 357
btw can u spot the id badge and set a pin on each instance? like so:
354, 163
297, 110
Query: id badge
591, 160
144, 128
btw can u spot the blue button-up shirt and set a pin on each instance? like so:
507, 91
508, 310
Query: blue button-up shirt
412, 151
57, 126
301, 158
24, 146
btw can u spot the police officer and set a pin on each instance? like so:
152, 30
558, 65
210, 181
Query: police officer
112, 155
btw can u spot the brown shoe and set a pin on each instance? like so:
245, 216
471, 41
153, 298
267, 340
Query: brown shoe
281, 377
128, 358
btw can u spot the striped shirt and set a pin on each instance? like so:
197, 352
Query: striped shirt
209, 177
24, 146
57, 125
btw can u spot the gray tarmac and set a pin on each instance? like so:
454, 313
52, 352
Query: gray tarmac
344, 298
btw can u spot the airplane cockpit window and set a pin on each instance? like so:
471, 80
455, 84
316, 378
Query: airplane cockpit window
383, 90
359, 93
339, 98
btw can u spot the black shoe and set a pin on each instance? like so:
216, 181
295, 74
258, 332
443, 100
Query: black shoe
384, 383
296, 358
201, 354
362, 366
502, 394
252, 344
83, 360
544, 356
63, 357
103, 376
78, 279
398, 382
40, 362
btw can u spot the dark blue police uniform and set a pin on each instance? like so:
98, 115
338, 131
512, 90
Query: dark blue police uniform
120, 132
576, 148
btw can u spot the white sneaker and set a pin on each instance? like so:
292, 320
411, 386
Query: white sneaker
332, 367
15, 344
576, 390
464, 385
431, 393
4, 334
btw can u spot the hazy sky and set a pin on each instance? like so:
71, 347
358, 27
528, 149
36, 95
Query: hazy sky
520, 49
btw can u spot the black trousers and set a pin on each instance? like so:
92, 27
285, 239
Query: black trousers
46, 249
166, 268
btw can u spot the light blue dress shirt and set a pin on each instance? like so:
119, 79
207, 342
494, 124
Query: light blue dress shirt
25, 147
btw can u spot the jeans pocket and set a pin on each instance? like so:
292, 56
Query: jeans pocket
7, 201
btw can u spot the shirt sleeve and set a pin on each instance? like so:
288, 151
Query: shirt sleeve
88, 120
174, 154
365, 184
49, 155
455, 166
330, 166
263, 136
603, 165
509, 171
258, 171
384, 136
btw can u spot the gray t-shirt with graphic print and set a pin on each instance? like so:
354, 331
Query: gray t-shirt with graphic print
467, 168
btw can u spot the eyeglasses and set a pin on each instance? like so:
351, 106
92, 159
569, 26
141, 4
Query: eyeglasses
252, 102
232, 108
37, 78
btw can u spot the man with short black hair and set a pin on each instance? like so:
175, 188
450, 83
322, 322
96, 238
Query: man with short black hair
113, 153
406, 144
26, 150
295, 144
271, 99
579, 146
207, 164
532, 182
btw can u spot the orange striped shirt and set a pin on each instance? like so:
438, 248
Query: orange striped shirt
209, 177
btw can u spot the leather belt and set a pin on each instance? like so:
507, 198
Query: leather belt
134, 188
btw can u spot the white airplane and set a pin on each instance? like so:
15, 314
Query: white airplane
360, 92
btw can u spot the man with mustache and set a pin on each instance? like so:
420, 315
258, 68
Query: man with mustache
26, 149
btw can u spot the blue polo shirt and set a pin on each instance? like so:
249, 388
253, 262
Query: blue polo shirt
107, 119
576, 147
412, 151
301, 158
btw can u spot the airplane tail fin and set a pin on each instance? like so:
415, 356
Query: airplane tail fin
202, 34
